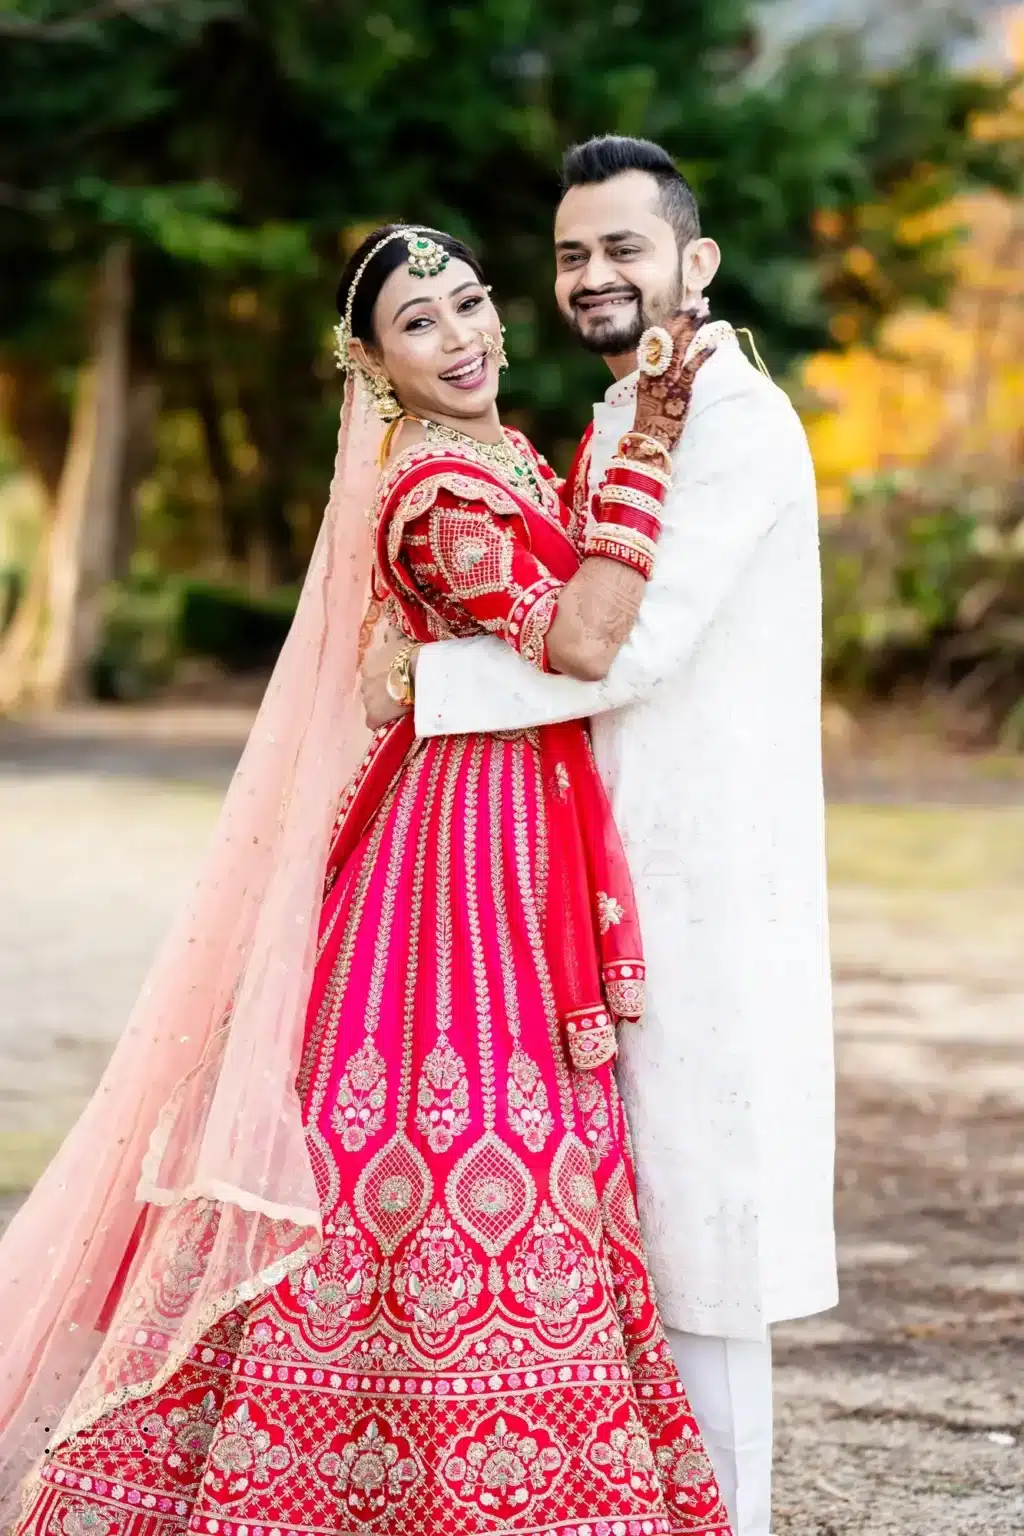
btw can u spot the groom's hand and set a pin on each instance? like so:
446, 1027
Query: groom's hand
379, 706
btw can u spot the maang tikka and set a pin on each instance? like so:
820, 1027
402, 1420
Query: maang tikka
426, 259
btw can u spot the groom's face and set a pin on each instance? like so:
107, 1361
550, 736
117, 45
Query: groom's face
618, 266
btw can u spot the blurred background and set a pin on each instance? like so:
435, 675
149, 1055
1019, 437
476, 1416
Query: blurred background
180, 184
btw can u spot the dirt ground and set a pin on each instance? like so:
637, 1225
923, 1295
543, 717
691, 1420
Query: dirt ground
901, 1412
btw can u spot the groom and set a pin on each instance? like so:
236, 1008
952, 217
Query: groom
706, 731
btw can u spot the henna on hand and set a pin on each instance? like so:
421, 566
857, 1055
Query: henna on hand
662, 402
594, 618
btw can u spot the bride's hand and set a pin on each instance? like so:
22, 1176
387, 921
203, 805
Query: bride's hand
380, 708
662, 401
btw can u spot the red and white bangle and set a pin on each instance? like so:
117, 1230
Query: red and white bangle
627, 523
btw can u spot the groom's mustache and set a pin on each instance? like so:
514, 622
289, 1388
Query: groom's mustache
615, 291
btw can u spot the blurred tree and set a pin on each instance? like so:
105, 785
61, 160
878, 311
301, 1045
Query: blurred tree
239, 149
934, 386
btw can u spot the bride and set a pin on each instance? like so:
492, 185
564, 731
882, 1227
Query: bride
347, 1238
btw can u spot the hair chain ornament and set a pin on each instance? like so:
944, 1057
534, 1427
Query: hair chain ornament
426, 259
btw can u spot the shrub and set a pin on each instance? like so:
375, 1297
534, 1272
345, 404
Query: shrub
139, 648
243, 633
923, 581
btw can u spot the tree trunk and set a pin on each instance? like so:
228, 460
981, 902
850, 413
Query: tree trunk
142, 414
82, 542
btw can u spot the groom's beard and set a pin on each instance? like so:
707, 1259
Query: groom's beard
611, 335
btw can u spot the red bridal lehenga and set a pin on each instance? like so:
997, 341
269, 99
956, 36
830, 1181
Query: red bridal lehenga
476, 1347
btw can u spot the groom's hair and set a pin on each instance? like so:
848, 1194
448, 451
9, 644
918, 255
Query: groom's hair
600, 159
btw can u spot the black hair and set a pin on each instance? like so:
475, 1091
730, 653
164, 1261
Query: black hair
387, 260
600, 159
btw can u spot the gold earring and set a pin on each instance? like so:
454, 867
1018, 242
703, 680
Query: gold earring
385, 402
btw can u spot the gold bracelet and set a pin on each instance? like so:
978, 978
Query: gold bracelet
400, 683
639, 447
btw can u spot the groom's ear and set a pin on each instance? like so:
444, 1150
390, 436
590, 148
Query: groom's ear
701, 260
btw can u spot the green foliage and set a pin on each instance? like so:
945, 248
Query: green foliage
151, 622
227, 625
242, 146
924, 582
140, 643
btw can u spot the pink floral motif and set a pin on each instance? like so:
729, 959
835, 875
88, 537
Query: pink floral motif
621, 1450
249, 1452
502, 1465
684, 1470
443, 1097
438, 1280
370, 1470
181, 1431
552, 1274
362, 1096
341, 1281
528, 1112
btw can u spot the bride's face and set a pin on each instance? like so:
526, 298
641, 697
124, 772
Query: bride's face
430, 342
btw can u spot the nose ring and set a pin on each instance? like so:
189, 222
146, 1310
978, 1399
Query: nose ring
494, 348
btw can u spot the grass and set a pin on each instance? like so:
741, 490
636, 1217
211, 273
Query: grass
23, 1156
927, 848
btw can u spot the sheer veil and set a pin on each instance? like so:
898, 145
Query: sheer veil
187, 1179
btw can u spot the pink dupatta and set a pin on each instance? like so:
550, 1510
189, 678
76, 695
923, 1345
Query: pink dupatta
187, 1176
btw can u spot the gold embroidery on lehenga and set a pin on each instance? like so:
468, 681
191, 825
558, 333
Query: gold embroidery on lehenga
87, 1520
249, 1451
551, 1275
683, 1468
502, 1465
393, 1192
371, 1470
491, 1194
526, 1092
442, 1096
573, 1191
528, 1112
593, 1108
437, 1280
362, 1097
341, 1282
532, 883
180, 1432
621, 1452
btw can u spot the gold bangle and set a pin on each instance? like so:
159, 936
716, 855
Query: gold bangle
400, 683
639, 447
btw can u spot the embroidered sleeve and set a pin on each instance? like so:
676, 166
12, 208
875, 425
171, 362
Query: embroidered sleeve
469, 562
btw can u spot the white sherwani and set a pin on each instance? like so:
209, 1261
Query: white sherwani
707, 734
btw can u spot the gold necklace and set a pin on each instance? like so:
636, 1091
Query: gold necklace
510, 464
